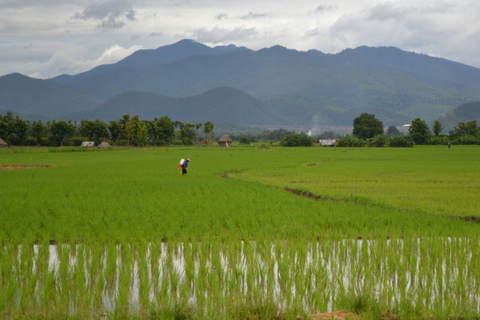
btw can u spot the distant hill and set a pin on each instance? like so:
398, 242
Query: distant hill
36, 99
462, 113
220, 105
169, 53
284, 86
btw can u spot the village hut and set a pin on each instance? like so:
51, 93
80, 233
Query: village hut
225, 141
104, 145
3, 144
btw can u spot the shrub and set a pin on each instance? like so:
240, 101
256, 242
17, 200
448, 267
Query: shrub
467, 140
378, 141
400, 141
122, 142
246, 140
351, 141
30, 142
52, 142
436, 140
77, 141
296, 140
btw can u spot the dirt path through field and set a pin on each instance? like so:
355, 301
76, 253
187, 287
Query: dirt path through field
19, 166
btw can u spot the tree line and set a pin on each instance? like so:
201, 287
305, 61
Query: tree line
369, 131
127, 130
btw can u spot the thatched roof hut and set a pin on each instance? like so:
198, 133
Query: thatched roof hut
225, 141
104, 145
3, 143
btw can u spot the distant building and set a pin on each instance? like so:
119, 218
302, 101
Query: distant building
225, 141
87, 144
3, 144
327, 142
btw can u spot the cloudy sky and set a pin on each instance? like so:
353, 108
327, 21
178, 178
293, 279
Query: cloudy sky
50, 37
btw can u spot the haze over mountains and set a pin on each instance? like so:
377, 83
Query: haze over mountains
191, 82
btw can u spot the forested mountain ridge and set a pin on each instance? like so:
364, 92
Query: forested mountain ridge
463, 113
220, 105
289, 87
36, 99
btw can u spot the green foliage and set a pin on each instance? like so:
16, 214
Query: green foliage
392, 131
187, 135
466, 140
296, 140
437, 140
437, 128
208, 130
378, 141
164, 130
115, 130
469, 128
136, 131
400, 141
94, 130
246, 140
366, 126
61, 131
77, 141
351, 141
39, 131
419, 131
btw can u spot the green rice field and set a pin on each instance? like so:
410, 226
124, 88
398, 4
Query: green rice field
249, 233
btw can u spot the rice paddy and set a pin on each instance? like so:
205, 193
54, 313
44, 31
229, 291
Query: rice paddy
248, 233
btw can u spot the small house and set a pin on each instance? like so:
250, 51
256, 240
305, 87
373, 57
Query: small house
3, 144
87, 144
225, 141
327, 142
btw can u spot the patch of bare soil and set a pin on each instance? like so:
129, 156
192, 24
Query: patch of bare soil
306, 194
313, 196
473, 219
336, 315
226, 175
19, 166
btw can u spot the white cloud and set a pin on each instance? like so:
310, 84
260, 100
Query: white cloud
111, 14
50, 37
218, 35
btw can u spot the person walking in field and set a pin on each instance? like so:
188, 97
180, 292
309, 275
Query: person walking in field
184, 164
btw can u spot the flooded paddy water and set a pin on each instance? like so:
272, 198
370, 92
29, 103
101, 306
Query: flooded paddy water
437, 274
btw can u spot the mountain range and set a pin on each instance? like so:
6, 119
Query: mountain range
191, 82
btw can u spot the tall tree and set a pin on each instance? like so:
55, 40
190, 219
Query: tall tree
366, 126
197, 126
38, 131
21, 129
136, 131
6, 126
469, 128
392, 131
208, 129
419, 131
437, 128
187, 134
115, 130
62, 130
165, 130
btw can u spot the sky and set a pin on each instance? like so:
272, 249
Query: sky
46, 38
